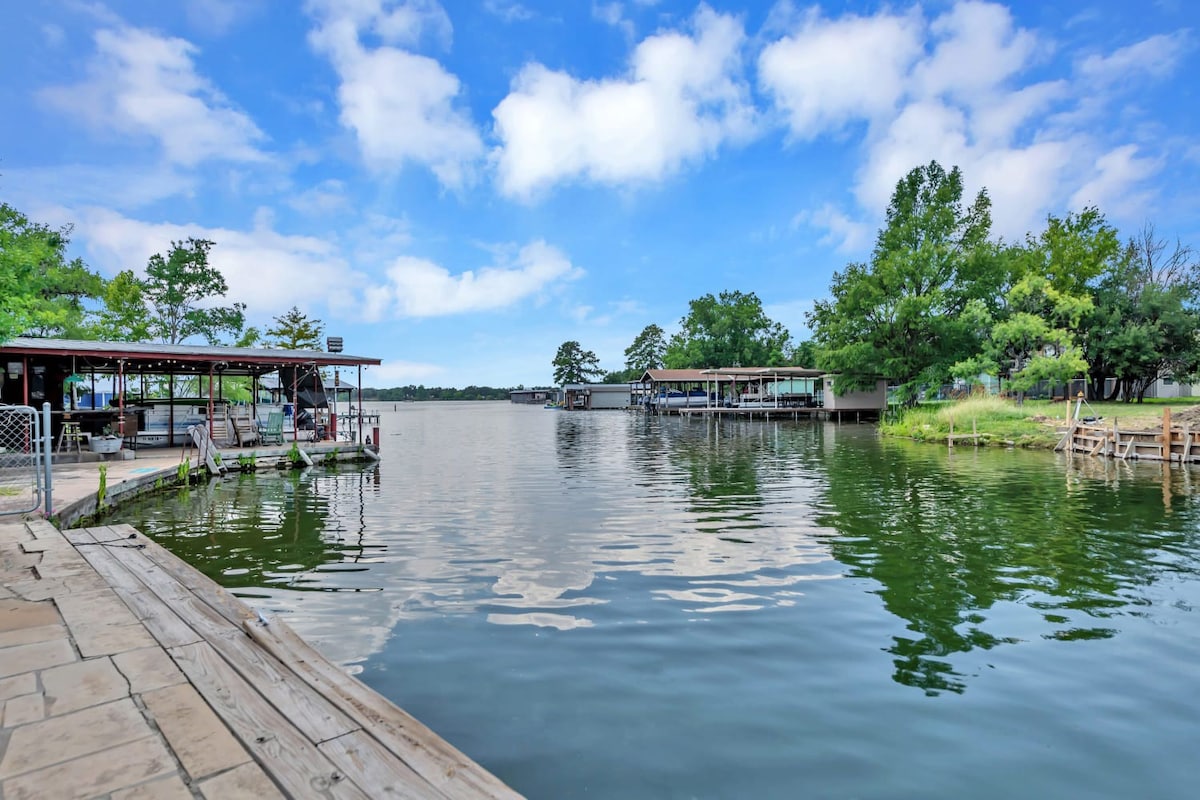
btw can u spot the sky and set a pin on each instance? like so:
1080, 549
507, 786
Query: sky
458, 188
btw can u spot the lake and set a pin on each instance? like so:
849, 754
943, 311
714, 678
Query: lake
616, 605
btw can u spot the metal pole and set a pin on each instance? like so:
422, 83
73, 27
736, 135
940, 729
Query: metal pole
46, 439
360, 419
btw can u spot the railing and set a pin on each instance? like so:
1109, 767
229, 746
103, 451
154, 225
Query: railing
24, 459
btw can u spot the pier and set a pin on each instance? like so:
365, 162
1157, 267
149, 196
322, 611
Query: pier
126, 673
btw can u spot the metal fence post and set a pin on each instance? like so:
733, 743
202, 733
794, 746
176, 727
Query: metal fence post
47, 439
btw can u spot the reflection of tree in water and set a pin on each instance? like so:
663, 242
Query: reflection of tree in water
948, 537
250, 530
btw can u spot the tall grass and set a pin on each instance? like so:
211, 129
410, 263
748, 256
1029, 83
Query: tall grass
996, 420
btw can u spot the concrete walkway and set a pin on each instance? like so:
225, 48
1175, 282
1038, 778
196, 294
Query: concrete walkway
93, 706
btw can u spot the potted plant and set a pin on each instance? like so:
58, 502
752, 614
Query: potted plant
106, 442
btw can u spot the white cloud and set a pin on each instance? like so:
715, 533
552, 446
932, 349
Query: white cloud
613, 14
683, 98
1117, 174
951, 89
326, 197
1156, 57
400, 105
420, 288
143, 84
507, 11
401, 373
831, 72
844, 234
267, 270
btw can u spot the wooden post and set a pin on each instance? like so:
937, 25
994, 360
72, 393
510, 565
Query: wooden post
974, 432
950, 438
1116, 438
1166, 434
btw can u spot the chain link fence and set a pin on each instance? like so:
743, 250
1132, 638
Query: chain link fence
22, 458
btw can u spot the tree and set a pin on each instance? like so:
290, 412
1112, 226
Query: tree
293, 330
573, 364
1033, 342
647, 350
1146, 321
728, 331
41, 291
899, 316
176, 286
123, 317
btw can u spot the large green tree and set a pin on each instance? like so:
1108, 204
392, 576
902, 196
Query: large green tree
178, 290
901, 315
573, 364
294, 330
729, 330
1146, 320
42, 292
646, 351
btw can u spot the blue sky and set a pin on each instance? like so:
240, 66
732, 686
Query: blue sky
458, 188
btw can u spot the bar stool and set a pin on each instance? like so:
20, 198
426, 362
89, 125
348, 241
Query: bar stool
70, 435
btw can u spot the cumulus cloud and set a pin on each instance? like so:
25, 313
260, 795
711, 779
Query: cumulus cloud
420, 288
400, 104
831, 72
267, 270
142, 84
683, 97
1116, 175
842, 232
954, 88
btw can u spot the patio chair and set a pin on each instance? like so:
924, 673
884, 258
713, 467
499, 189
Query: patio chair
272, 432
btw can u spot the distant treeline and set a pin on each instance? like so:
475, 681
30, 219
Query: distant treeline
437, 393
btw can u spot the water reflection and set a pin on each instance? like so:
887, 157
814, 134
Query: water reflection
574, 521
950, 536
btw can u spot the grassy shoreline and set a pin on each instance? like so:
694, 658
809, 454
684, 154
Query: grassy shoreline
1036, 424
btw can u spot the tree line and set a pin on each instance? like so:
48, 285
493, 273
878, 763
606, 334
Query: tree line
941, 299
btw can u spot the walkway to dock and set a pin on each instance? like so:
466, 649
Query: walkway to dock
125, 673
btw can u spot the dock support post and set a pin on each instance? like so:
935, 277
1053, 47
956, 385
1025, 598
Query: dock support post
1166, 434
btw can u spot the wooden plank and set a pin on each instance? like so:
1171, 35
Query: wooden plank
164, 624
284, 753
314, 715
428, 754
375, 769
204, 587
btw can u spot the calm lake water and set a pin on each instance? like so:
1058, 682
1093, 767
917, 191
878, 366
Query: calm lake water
604, 604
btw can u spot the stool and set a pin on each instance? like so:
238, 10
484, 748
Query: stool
71, 436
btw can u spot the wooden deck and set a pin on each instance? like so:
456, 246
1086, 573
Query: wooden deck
1168, 443
312, 729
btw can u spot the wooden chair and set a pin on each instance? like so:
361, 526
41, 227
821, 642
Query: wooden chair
272, 432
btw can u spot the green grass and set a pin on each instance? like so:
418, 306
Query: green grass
9, 491
1035, 423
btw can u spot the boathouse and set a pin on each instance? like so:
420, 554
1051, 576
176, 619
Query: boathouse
37, 371
595, 396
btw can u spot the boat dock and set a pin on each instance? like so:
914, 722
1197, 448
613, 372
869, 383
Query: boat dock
125, 673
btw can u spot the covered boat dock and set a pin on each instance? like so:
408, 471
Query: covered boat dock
37, 371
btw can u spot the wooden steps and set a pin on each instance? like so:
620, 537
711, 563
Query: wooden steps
315, 730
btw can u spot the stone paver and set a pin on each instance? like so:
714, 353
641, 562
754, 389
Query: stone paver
82, 684
41, 633
148, 668
30, 657
18, 685
199, 738
104, 640
57, 739
24, 709
115, 768
247, 780
19, 614
170, 788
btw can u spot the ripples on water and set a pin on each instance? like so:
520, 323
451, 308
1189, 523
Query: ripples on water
604, 604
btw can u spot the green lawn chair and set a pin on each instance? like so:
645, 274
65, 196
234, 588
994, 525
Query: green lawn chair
272, 432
